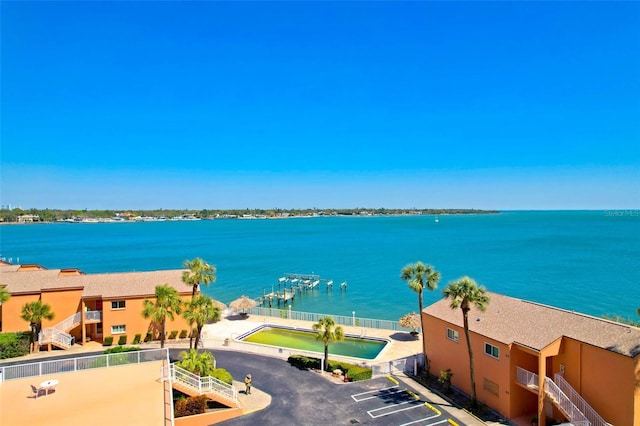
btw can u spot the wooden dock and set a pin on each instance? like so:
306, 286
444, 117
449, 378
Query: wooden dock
290, 284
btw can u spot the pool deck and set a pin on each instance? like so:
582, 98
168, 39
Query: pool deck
130, 394
401, 344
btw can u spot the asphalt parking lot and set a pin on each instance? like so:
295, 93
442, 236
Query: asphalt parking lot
303, 397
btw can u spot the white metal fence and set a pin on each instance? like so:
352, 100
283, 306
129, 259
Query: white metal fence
274, 351
339, 319
68, 365
204, 385
410, 365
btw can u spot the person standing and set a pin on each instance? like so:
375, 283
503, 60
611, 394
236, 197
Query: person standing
247, 384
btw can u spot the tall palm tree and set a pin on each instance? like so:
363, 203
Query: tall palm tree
199, 272
200, 363
4, 295
34, 313
464, 293
199, 311
327, 333
421, 277
167, 304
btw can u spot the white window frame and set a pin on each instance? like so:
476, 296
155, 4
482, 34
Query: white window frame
491, 351
123, 302
452, 335
115, 329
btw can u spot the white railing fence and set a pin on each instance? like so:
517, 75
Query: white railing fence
552, 390
339, 319
576, 416
58, 333
409, 365
53, 335
579, 401
526, 377
69, 323
93, 316
274, 351
67, 365
204, 385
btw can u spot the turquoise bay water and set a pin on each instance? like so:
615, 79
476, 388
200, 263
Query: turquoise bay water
587, 261
305, 340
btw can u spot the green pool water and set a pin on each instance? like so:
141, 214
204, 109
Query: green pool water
305, 340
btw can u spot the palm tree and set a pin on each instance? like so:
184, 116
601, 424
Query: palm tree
168, 304
421, 277
4, 295
464, 293
327, 333
199, 272
34, 313
199, 311
197, 363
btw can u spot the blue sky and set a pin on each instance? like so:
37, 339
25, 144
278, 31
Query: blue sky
505, 105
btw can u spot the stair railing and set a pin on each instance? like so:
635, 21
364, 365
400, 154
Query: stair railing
565, 404
579, 401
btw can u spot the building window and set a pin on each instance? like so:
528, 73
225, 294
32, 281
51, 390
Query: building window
452, 335
491, 350
118, 329
117, 304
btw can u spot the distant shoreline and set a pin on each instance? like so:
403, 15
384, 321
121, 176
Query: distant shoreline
34, 216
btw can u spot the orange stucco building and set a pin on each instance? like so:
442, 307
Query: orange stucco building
86, 306
537, 360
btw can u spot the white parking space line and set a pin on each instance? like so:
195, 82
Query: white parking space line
380, 396
375, 393
375, 416
424, 420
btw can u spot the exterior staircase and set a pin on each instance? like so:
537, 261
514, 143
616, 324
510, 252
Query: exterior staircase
59, 336
192, 384
564, 397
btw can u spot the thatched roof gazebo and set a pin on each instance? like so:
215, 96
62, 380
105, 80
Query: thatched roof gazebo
243, 303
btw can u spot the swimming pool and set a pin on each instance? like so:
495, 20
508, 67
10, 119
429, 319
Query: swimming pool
285, 337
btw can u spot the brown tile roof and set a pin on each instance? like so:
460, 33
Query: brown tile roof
122, 284
510, 320
127, 284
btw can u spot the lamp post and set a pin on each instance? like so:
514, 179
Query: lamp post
353, 323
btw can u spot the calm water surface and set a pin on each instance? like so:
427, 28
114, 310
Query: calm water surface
586, 261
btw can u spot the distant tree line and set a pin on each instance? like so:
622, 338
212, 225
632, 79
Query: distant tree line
52, 215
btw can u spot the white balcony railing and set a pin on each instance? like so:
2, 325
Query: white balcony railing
93, 316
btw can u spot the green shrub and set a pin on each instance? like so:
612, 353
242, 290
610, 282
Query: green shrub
122, 340
108, 341
13, 345
183, 334
353, 372
302, 361
120, 349
148, 337
191, 406
222, 375
356, 373
137, 339
173, 334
